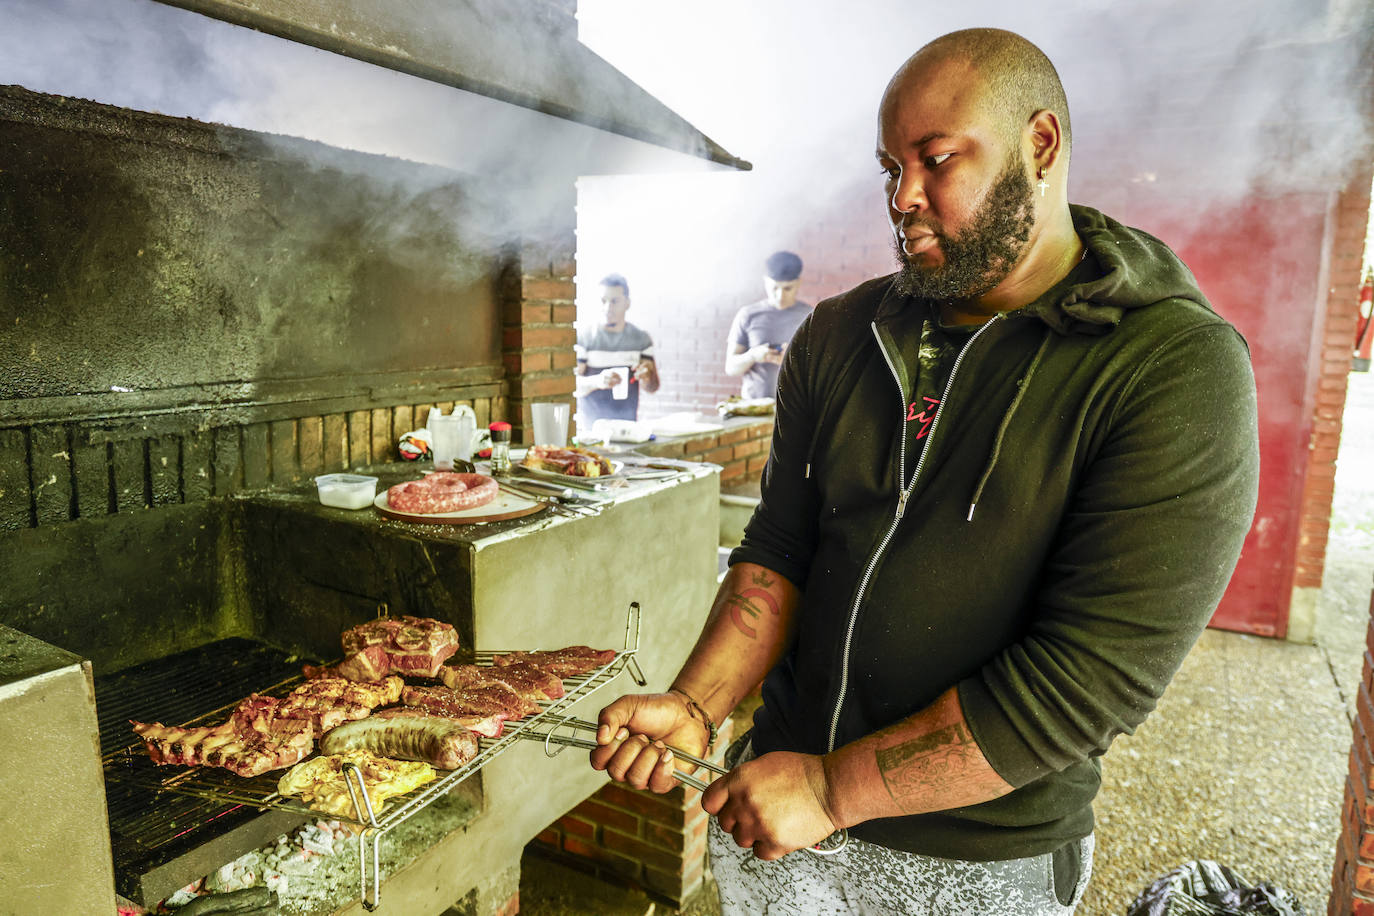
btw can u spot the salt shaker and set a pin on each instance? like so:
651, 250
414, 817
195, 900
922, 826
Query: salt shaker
500, 447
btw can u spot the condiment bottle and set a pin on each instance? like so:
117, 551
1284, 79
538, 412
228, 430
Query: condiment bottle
500, 447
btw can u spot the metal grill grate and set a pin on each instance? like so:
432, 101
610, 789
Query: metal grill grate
153, 807
180, 688
186, 686
182, 793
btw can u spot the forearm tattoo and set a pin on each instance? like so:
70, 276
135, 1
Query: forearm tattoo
747, 605
920, 772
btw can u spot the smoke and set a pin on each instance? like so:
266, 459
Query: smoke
1209, 103
149, 56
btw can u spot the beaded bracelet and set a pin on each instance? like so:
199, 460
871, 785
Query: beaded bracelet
696, 712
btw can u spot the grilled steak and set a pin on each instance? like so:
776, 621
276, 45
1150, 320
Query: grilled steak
569, 662
254, 740
407, 645
490, 700
530, 682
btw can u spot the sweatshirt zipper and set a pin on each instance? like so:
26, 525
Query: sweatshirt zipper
903, 495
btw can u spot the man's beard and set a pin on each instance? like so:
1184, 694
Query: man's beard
985, 253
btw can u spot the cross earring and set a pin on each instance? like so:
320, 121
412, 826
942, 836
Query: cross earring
1042, 184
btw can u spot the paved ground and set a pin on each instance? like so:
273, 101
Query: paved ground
1244, 761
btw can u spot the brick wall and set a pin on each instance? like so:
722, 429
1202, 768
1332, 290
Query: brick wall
538, 330
741, 450
1350, 222
1352, 879
657, 842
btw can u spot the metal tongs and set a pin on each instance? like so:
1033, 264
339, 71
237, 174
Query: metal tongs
832, 844
551, 737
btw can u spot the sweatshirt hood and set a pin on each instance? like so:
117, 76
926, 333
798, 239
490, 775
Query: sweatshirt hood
1137, 270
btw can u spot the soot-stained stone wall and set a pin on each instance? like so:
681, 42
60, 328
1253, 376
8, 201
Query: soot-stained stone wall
191, 312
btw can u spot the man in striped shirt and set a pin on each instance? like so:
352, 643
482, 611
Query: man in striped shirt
609, 352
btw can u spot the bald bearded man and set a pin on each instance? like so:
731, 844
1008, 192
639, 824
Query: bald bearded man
958, 599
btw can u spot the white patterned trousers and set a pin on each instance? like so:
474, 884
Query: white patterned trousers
872, 880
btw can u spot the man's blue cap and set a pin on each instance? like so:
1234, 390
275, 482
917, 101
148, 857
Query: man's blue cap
783, 266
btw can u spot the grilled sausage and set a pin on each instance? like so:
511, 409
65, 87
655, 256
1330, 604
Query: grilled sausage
403, 735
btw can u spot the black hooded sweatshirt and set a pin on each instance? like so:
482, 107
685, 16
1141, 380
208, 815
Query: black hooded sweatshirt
1066, 533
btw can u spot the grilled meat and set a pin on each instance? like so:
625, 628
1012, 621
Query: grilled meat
414, 646
569, 662
530, 682
330, 701
256, 739
444, 743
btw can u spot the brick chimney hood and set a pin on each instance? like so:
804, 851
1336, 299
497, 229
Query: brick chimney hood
521, 52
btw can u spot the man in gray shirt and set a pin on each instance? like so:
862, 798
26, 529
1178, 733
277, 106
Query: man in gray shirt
608, 349
762, 330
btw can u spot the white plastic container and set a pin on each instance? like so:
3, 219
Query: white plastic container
347, 491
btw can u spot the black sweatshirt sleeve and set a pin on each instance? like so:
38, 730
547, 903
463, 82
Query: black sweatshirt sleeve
1139, 563
782, 533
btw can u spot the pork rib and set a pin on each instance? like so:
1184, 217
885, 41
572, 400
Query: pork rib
254, 740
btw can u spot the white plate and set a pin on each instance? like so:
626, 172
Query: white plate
616, 468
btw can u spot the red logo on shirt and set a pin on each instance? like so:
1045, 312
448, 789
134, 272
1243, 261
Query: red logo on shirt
926, 417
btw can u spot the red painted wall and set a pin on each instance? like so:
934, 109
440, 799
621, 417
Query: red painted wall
1261, 265
1265, 264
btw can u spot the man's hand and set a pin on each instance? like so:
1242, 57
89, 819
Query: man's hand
633, 732
609, 378
764, 353
776, 803
643, 370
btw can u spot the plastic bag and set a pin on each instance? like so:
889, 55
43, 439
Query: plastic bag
1206, 888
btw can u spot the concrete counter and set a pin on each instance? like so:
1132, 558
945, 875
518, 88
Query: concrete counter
542, 582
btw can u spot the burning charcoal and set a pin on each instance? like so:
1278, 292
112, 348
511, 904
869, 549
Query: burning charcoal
276, 882
317, 840
185, 895
240, 874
